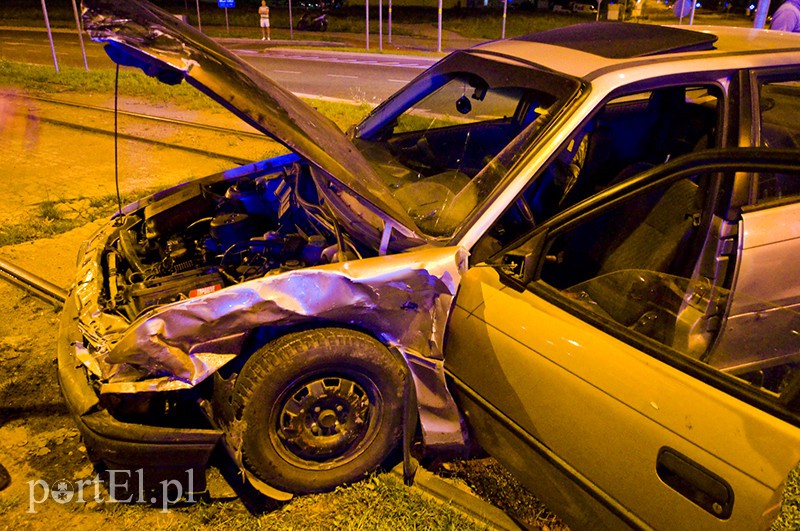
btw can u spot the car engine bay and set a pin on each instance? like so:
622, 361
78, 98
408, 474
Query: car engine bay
200, 238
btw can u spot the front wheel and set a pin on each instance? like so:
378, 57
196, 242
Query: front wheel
319, 408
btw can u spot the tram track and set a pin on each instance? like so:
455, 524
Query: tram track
160, 119
151, 118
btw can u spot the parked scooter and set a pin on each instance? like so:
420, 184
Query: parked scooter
313, 21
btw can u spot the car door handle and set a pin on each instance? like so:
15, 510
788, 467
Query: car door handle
695, 482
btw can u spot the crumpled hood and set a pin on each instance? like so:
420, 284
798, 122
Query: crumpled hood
139, 34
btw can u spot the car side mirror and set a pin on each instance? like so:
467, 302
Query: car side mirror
521, 264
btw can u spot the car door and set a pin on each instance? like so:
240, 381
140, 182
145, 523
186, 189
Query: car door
581, 361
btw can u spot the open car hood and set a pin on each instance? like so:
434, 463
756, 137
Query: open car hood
139, 34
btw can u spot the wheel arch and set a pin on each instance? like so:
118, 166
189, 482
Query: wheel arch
429, 404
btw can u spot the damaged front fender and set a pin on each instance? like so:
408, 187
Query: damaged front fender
404, 300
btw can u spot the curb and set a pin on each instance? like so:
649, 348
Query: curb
470, 505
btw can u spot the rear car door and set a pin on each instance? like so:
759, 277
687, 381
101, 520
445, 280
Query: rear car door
584, 361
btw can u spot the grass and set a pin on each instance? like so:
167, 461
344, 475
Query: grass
408, 16
378, 502
43, 79
406, 20
7, 504
488, 24
494, 484
789, 515
51, 218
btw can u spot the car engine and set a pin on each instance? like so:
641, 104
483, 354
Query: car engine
199, 238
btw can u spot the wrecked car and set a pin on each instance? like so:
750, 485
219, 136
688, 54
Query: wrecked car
529, 246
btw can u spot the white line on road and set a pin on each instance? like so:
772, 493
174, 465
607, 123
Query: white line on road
287, 71
343, 76
397, 81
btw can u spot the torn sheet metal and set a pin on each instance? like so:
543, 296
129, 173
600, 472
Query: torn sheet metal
403, 299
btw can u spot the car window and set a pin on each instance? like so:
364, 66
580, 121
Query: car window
779, 108
635, 264
642, 268
759, 341
457, 103
444, 143
628, 135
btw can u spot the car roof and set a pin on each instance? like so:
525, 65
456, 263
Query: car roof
619, 41
584, 49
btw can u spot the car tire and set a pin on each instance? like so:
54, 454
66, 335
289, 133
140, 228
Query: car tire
319, 408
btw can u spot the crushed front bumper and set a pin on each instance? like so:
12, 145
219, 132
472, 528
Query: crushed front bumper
146, 456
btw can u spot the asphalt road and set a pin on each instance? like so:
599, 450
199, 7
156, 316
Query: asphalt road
352, 76
344, 75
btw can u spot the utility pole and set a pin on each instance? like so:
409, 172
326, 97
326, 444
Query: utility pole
761, 14
439, 46
80, 34
505, 10
199, 24
50, 34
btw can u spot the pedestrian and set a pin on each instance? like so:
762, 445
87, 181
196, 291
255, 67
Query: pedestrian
263, 13
787, 17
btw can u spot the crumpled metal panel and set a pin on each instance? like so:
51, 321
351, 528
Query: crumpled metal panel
139, 34
403, 299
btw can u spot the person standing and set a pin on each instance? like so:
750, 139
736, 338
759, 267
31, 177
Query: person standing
787, 17
263, 13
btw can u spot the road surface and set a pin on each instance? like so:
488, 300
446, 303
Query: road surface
344, 75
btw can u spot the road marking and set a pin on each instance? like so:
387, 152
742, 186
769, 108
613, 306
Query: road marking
287, 71
342, 76
404, 81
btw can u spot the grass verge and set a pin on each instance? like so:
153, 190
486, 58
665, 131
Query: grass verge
51, 218
54, 217
134, 84
43, 79
378, 502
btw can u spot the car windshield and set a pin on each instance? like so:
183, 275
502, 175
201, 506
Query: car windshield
446, 141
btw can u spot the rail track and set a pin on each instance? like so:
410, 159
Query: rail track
151, 118
45, 289
32, 283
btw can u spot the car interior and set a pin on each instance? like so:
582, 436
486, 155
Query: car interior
629, 135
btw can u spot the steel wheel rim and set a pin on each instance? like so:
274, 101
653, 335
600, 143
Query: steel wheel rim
325, 420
